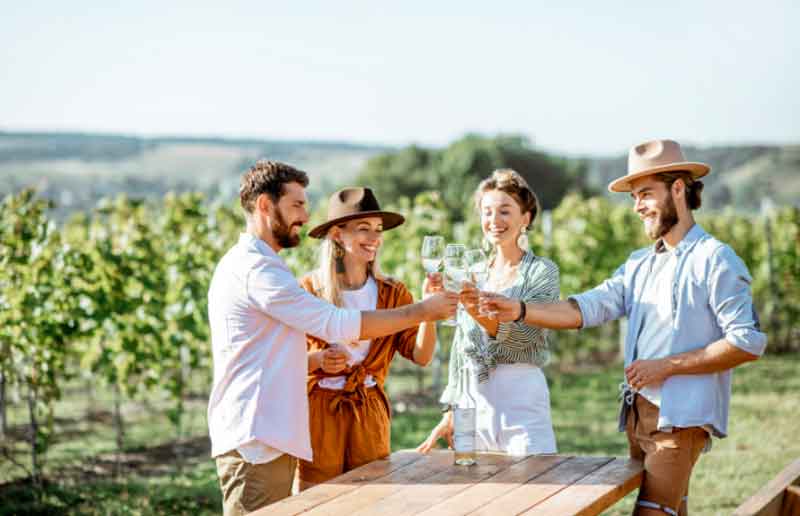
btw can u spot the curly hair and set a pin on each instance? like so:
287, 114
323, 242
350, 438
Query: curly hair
268, 177
511, 182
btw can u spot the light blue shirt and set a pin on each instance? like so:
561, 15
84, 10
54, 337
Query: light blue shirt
711, 300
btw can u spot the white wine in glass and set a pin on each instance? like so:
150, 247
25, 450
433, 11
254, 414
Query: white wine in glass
432, 253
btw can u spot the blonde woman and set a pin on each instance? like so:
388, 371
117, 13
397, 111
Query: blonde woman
348, 407
496, 367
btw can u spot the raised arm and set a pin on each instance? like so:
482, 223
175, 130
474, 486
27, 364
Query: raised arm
276, 292
377, 323
561, 315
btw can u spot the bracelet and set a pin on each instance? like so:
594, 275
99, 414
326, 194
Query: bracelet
446, 409
522, 311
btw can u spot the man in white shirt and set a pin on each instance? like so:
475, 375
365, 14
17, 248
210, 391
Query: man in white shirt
259, 315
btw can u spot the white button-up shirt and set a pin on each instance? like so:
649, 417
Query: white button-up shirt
259, 316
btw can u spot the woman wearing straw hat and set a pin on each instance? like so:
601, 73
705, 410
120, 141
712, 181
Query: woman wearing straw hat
348, 407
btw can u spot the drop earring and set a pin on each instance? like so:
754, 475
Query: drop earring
338, 256
522, 241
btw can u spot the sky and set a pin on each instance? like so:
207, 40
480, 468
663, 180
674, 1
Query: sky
576, 77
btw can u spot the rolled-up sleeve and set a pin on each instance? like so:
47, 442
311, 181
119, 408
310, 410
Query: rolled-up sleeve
276, 292
731, 300
605, 302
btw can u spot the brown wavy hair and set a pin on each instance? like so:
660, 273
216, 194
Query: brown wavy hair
268, 177
511, 182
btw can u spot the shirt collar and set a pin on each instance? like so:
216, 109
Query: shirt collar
691, 236
250, 240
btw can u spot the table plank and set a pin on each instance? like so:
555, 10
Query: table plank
369, 495
594, 492
542, 487
495, 486
340, 485
769, 499
418, 496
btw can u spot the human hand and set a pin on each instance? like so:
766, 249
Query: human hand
433, 283
444, 430
440, 305
642, 373
333, 359
499, 307
469, 297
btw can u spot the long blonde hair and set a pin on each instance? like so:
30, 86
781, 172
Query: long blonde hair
325, 279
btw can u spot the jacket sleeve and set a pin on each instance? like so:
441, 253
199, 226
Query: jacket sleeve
404, 341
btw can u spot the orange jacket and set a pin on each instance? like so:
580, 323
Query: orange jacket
391, 294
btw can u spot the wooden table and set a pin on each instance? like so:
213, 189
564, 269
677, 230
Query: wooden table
411, 483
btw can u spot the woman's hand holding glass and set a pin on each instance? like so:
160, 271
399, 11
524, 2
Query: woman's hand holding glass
433, 283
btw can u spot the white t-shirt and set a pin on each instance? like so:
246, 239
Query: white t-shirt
363, 299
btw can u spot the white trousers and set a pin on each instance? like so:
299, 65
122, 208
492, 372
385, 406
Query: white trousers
513, 411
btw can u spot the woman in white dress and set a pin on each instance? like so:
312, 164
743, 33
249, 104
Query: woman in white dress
496, 367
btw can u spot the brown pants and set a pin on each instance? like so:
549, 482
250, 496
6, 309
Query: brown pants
668, 457
345, 435
247, 487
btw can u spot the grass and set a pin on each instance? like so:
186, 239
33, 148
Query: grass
765, 413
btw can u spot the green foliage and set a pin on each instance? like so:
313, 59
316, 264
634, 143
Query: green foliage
457, 170
120, 295
40, 311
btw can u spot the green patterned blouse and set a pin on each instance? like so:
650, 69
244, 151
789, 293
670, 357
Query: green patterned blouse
537, 281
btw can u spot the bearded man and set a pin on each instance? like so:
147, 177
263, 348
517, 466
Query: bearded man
259, 317
690, 322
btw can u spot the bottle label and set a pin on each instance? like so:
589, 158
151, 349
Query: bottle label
464, 430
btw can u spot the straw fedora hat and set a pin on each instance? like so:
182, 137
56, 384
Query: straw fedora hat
355, 203
654, 157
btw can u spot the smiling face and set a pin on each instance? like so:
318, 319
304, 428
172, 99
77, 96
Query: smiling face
502, 219
360, 238
287, 216
653, 202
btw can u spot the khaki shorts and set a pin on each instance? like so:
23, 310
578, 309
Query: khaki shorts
345, 435
668, 457
247, 487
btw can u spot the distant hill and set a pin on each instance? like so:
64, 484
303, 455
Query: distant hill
740, 175
77, 169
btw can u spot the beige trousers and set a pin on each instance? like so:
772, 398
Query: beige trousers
247, 487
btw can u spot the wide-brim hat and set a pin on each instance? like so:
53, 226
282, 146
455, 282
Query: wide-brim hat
355, 203
655, 157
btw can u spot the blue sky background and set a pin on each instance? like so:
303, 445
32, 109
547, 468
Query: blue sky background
577, 77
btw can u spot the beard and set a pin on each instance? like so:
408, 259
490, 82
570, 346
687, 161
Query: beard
664, 221
283, 231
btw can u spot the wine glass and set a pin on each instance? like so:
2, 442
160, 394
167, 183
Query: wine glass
432, 253
455, 273
477, 266
454, 251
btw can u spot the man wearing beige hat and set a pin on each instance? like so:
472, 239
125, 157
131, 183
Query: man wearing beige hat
690, 322
259, 317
